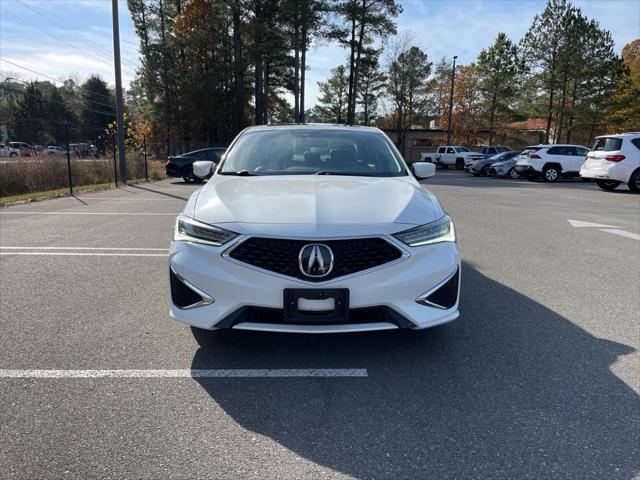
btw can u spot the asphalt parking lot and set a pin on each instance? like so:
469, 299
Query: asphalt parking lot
538, 378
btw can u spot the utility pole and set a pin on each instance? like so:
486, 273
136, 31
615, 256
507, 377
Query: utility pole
453, 79
122, 160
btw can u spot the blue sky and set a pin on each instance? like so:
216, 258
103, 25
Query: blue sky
39, 34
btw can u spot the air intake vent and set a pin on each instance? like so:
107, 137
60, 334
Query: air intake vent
181, 294
447, 295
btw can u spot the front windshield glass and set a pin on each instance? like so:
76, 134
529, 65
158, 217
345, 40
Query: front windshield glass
462, 149
313, 151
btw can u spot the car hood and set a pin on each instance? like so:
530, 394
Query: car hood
316, 201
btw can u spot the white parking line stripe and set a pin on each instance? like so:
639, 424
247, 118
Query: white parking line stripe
622, 233
89, 248
85, 254
187, 373
89, 213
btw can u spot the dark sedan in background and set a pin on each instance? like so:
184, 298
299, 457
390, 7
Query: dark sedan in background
182, 165
481, 167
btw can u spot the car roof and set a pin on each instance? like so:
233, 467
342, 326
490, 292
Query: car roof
549, 145
619, 135
312, 126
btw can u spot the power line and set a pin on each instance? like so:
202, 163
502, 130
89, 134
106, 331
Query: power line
108, 97
29, 70
77, 35
75, 47
54, 81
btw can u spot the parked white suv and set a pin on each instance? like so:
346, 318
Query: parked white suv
615, 159
551, 162
452, 155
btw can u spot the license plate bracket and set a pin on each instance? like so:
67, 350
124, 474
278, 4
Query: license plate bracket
293, 314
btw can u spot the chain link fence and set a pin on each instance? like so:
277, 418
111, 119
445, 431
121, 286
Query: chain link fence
27, 178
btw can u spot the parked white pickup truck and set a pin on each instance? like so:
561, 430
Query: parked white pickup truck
451, 155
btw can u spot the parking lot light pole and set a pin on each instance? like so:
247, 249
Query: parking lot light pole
453, 79
146, 165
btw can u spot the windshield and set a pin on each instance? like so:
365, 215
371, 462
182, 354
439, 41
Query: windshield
462, 149
313, 151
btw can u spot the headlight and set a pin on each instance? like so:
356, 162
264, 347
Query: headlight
190, 230
441, 230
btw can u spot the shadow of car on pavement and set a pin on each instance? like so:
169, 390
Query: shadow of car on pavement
509, 390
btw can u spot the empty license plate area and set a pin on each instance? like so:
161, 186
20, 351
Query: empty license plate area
315, 305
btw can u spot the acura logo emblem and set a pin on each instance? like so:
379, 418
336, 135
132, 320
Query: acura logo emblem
315, 260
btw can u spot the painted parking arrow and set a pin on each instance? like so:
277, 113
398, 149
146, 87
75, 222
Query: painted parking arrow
581, 224
614, 230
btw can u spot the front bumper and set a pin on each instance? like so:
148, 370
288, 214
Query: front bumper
602, 170
527, 171
390, 289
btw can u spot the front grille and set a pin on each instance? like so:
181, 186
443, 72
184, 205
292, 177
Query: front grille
281, 255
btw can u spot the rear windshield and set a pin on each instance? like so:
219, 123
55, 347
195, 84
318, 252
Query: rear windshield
607, 144
529, 150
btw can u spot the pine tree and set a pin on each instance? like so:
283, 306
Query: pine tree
332, 102
29, 125
498, 67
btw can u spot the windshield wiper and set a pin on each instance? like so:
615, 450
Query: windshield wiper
323, 172
241, 173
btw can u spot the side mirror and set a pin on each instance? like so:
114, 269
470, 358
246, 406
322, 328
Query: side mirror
424, 169
203, 168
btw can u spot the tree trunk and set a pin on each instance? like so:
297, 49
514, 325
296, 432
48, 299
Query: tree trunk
238, 70
558, 134
303, 69
258, 73
352, 105
492, 118
265, 102
296, 70
573, 106
552, 87
351, 66
365, 105
165, 74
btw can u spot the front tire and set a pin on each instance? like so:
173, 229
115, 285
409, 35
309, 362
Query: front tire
459, 164
513, 174
550, 174
608, 185
188, 176
485, 171
634, 182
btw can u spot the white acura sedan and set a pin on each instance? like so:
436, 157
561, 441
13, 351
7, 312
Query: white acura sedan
313, 229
